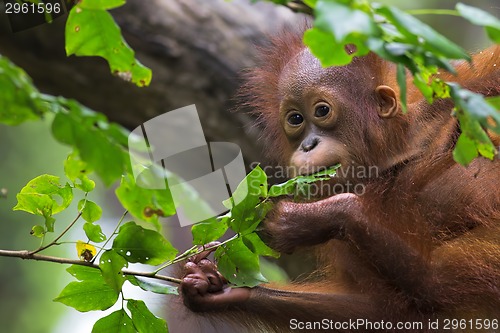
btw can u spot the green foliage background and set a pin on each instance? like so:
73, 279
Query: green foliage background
29, 150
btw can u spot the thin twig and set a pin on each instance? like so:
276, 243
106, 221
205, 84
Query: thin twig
58, 237
24, 254
152, 275
187, 254
114, 232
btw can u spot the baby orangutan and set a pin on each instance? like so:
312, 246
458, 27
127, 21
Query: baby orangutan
423, 241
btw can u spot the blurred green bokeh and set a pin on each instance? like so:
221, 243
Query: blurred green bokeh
27, 287
472, 38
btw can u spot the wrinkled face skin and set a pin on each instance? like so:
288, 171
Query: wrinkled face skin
312, 115
333, 115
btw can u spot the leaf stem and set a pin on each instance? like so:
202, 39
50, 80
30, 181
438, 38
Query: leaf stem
189, 253
114, 232
54, 242
58, 237
451, 12
186, 254
222, 243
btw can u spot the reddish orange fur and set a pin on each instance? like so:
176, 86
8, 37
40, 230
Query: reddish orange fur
423, 242
261, 85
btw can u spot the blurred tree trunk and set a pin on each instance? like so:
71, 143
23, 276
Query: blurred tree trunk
196, 50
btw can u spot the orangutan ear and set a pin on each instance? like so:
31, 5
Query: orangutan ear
388, 102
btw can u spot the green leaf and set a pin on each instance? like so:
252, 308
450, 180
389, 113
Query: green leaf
19, 100
343, 21
145, 203
473, 130
285, 188
118, 134
256, 245
84, 273
304, 184
88, 295
46, 186
248, 194
476, 107
86, 184
206, 232
142, 203
91, 212
465, 150
486, 148
38, 231
40, 197
311, 3
422, 84
395, 52
94, 232
338, 24
64, 128
92, 293
151, 285
324, 47
116, 322
440, 88
253, 185
34, 203
324, 174
474, 114
482, 18
401, 77
431, 60
292, 186
101, 4
263, 208
144, 320
49, 223
91, 32
76, 169
137, 244
86, 130
239, 264
419, 33
111, 265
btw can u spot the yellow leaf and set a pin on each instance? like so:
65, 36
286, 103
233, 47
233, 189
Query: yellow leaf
85, 251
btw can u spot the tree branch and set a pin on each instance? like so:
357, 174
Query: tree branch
24, 254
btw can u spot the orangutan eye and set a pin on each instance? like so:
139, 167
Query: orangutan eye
295, 119
321, 111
